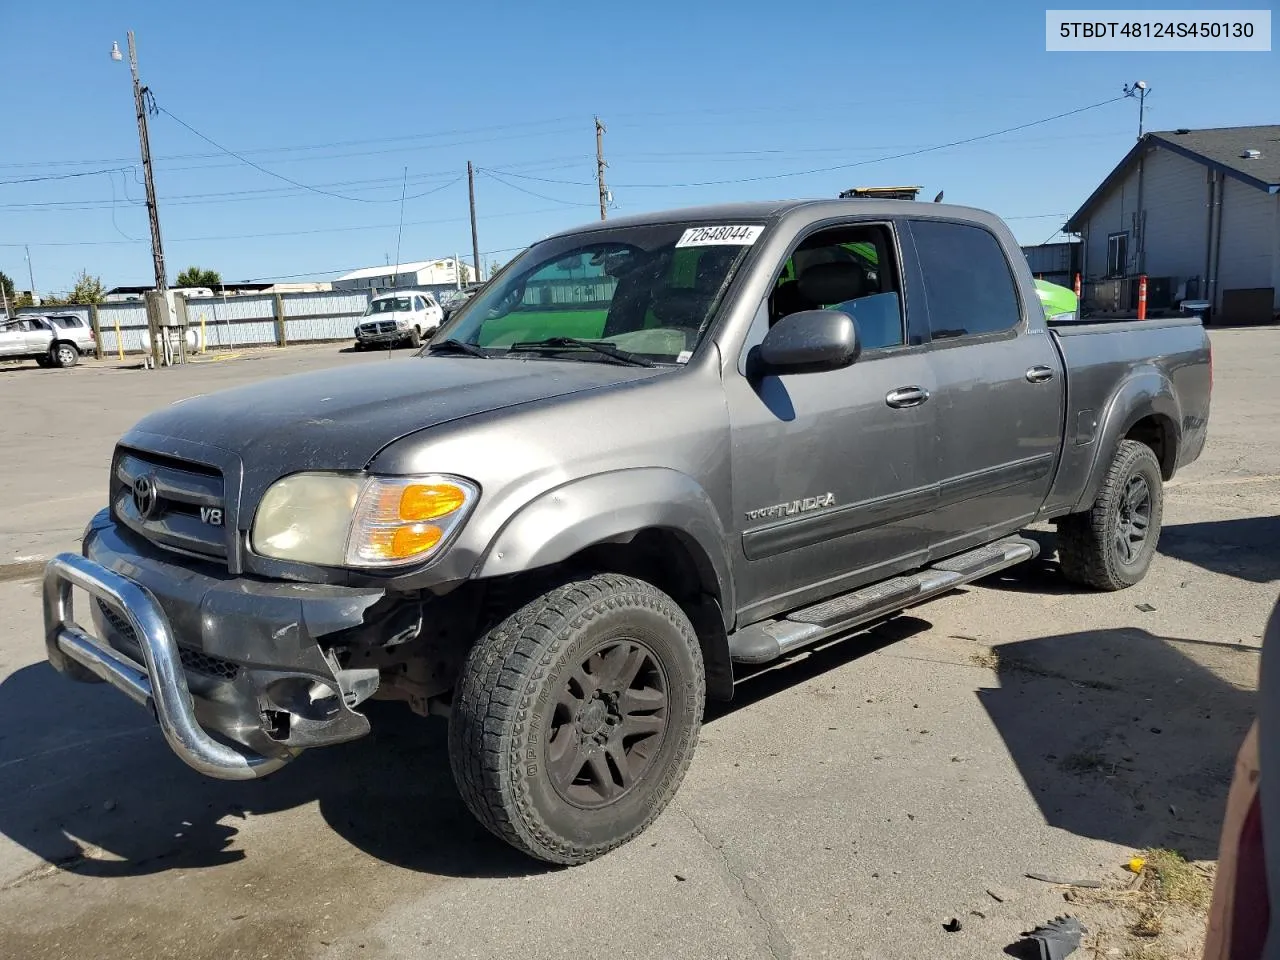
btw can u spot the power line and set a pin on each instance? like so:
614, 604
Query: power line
184, 199
311, 146
861, 163
280, 233
541, 196
64, 176
280, 176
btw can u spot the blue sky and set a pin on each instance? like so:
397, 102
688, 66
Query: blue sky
690, 92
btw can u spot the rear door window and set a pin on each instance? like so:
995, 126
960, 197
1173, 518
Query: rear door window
968, 284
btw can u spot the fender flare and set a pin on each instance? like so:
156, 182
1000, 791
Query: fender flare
1147, 392
611, 508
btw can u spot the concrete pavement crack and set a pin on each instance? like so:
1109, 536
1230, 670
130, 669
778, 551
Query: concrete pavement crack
748, 894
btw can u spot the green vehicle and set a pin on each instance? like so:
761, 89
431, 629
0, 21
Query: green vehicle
1060, 303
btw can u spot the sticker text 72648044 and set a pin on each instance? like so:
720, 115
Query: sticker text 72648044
727, 235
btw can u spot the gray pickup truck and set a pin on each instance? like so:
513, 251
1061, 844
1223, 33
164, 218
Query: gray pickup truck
650, 453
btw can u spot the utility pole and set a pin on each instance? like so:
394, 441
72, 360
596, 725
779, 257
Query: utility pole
30, 273
1138, 90
157, 248
475, 241
600, 165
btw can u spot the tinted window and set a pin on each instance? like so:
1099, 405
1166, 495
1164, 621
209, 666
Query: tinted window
850, 269
66, 322
967, 280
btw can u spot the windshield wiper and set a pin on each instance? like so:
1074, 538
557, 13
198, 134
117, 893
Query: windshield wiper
604, 349
458, 346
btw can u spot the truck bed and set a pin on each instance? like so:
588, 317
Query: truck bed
1166, 358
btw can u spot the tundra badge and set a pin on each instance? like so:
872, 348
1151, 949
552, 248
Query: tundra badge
792, 508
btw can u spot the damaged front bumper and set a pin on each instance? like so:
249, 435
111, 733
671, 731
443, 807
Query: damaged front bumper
235, 670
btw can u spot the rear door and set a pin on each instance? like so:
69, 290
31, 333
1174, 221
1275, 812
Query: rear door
999, 386
833, 472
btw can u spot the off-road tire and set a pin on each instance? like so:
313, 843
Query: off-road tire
501, 722
64, 355
1087, 542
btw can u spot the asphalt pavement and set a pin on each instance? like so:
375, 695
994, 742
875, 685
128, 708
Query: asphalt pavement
847, 804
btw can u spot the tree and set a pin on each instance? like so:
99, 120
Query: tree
6, 284
199, 277
87, 290
465, 271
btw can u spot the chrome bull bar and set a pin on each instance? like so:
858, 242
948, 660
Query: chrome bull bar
158, 684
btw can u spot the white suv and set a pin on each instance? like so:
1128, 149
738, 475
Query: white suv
400, 317
51, 341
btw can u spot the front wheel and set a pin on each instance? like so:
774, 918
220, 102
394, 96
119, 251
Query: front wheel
415, 338
576, 717
1111, 545
65, 355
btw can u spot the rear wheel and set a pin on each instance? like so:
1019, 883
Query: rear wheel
64, 355
576, 717
1111, 546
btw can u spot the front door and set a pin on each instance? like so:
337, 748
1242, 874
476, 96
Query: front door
833, 471
1000, 387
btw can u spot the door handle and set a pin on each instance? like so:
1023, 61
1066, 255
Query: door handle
906, 397
1039, 374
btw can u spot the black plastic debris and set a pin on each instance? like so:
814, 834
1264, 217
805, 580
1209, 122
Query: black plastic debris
953, 925
1054, 940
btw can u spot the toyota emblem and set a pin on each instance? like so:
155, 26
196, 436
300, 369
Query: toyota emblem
145, 496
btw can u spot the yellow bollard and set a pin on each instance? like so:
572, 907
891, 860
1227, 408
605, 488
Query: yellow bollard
119, 339
201, 345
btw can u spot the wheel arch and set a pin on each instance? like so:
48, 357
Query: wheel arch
1145, 408
655, 524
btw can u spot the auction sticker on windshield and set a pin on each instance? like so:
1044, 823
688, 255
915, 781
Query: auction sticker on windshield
720, 236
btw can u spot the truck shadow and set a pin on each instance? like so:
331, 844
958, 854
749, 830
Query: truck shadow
1119, 735
1246, 547
96, 791
92, 787
1123, 736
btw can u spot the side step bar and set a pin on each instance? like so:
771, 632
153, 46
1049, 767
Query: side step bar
767, 641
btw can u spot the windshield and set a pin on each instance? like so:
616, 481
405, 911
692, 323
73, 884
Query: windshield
389, 305
648, 290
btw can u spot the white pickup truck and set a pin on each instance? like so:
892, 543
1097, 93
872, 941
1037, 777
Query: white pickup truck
399, 317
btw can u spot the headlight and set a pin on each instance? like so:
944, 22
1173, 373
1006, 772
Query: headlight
335, 519
401, 322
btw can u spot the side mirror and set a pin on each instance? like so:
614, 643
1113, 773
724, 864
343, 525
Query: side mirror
810, 341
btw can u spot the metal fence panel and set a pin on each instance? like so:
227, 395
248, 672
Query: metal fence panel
130, 319
329, 315
325, 303
233, 321
299, 329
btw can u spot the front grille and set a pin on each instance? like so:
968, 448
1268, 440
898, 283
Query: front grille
188, 511
381, 326
197, 661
